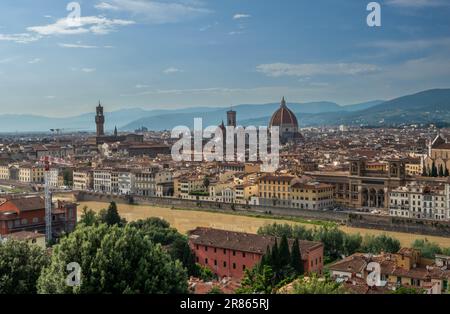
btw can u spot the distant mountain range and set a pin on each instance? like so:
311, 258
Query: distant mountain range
431, 106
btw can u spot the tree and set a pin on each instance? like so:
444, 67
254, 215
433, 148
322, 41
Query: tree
381, 243
434, 170
425, 171
88, 217
446, 173
333, 240
441, 170
275, 257
112, 216
296, 258
206, 182
257, 280
113, 260
427, 249
284, 254
159, 231
316, 285
68, 177
215, 290
20, 266
352, 244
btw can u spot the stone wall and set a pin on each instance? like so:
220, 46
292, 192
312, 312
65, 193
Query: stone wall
360, 220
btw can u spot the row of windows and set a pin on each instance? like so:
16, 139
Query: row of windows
224, 264
215, 250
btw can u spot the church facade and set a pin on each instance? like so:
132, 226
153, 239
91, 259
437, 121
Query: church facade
437, 161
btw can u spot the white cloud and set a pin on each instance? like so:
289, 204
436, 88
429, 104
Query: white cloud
158, 12
6, 60
172, 70
139, 86
311, 69
239, 16
105, 6
77, 46
22, 38
87, 24
85, 70
235, 33
50, 97
418, 3
88, 70
34, 61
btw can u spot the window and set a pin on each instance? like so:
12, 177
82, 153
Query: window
206, 248
215, 262
224, 264
243, 267
215, 250
234, 253
234, 265
243, 254
224, 251
197, 246
206, 261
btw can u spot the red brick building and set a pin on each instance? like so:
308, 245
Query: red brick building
229, 253
28, 214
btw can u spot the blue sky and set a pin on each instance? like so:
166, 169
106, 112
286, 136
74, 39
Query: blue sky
184, 53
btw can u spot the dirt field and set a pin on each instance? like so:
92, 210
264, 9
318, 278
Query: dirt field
185, 220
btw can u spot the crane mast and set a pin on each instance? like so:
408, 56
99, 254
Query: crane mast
48, 206
48, 193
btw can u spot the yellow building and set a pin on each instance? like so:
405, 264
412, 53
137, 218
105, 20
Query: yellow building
376, 166
414, 167
4, 172
275, 190
31, 174
314, 195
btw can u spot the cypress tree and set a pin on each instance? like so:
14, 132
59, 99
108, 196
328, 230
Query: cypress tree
275, 257
446, 174
434, 171
112, 216
296, 258
425, 171
285, 256
266, 259
441, 171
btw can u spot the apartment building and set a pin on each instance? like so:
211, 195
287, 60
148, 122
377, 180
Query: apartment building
420, 201
275, 190
29, 173
186, 187
56, 177
4, 172
83, 179
126, 182
102, 180
313, 195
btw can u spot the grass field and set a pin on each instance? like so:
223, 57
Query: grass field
185, 220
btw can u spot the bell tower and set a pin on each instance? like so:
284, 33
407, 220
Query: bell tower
100, 120
231, 118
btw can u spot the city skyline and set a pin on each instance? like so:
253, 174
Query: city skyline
127, 53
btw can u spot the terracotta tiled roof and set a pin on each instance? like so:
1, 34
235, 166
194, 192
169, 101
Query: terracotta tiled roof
240, 241
26, 203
